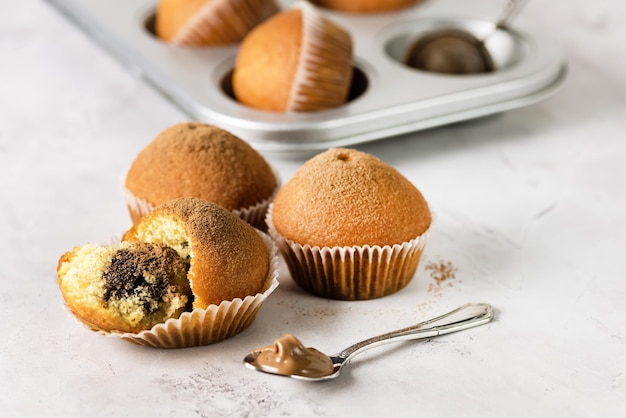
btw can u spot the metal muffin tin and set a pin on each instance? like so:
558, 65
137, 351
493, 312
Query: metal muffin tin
387, 97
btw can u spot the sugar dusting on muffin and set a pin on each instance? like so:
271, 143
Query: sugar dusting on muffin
227, 258
344, 197
198, 160
194, 159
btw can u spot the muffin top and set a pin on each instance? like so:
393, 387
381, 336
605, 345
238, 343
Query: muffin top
344, 197
198, 160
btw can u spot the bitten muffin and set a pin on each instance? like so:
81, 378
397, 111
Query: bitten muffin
350, 226
227, 258
128, 287
296, 61
198, 160
364, 6
209, 22
190, 273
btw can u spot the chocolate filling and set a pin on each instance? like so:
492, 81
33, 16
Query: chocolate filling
126, 275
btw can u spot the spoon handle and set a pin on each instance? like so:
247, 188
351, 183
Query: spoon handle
467, 316
510, 10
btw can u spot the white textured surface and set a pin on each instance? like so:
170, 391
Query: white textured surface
530, 209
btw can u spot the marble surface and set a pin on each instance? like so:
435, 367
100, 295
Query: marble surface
530, 214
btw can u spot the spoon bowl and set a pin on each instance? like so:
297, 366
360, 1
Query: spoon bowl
450, 51
457, 51
289, 357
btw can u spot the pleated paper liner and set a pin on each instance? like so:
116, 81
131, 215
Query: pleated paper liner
350, 273
324, 69
213, 324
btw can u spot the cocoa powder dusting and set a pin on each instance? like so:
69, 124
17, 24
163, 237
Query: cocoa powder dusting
442, 272
194, 159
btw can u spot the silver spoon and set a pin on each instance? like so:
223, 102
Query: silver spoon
282, 363
456, 51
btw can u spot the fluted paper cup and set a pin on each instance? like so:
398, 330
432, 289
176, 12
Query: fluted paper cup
350, 273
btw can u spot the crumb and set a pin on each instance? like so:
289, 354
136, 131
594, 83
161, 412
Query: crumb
443, 274
441, 271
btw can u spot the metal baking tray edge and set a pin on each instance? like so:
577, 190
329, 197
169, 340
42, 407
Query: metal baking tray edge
315, 132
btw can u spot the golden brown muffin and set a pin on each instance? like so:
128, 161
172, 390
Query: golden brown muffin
227, 257
296, 61
344, 197
364, 6
128, 287
350, 226
209, 22
198, 160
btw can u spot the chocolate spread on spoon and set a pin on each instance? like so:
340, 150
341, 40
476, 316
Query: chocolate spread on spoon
288, 356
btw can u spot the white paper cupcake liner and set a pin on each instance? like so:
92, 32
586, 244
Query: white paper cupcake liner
210, 325
350, 273
223, 22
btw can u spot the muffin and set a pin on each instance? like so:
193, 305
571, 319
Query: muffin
128, 287
198, 160
209, 22
365, 6
202, 274
296, 61
350, 226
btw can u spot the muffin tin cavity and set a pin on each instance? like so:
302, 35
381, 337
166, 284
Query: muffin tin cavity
387, 96
504, 47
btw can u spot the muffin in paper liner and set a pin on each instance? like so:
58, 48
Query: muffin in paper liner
210, 325
350, 273
254, 215
312, 74
217, 22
